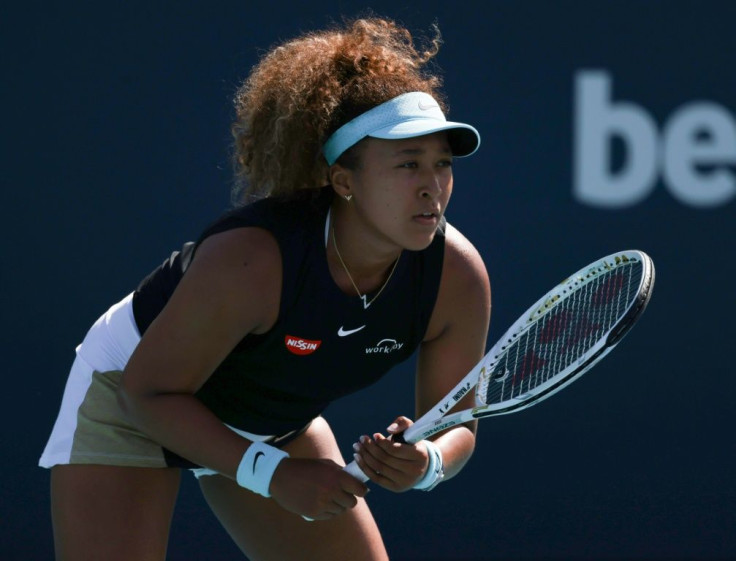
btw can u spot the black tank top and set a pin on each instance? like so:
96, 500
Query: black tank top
324, 344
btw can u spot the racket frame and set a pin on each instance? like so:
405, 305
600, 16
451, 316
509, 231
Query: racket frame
436, 419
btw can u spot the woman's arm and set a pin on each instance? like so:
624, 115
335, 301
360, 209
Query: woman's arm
232, 288
454, 343
208, 314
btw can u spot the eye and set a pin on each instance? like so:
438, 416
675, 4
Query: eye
408, 165
445, 163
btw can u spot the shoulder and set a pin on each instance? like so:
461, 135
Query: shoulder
234, 242
463, 262
234, 265
464, 291
230, 290
464, 274
279, 214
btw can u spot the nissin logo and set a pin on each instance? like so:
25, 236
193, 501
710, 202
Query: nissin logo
299, 346
693, 153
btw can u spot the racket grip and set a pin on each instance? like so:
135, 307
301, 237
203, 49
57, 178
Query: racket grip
354, 469
398, 437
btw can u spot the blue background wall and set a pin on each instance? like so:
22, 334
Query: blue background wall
115, 150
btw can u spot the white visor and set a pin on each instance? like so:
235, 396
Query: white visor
406, 116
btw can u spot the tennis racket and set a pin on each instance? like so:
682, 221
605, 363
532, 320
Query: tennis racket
557, 340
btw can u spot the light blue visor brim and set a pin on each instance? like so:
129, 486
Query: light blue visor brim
406, 116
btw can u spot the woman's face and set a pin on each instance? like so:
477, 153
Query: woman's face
402, 187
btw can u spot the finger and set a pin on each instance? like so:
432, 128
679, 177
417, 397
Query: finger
352, 486
385, 457
399, 425
394, 450
345, 501
334, 509
401, 463
376, 448
331, 509
320, 517
383, 474
385, 469
373, 468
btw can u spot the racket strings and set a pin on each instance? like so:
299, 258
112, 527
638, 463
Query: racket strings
558, 340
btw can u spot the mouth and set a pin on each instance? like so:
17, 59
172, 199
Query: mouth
427, 217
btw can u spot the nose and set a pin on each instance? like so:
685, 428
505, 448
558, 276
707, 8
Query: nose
432, 186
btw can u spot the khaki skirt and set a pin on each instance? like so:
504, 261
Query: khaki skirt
91, 427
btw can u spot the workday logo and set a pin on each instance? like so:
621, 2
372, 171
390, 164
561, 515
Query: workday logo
384, 346
694, 154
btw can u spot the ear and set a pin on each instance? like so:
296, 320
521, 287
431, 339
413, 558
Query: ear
341, 180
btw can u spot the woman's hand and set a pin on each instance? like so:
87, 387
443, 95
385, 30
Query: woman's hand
392, 465
316, 489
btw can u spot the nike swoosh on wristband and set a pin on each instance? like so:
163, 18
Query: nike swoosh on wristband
255, 460
345, 332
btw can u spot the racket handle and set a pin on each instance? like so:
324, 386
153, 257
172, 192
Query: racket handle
354, 469
398, 437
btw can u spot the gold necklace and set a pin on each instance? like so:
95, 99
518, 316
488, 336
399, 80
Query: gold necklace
363, 297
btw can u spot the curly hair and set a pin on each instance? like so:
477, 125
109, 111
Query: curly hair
306, 88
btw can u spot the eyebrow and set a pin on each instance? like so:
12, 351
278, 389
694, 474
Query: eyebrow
418, 151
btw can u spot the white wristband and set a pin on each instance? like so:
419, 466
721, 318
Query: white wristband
257, 466
435, 468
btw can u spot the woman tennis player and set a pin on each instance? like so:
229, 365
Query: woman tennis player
338, 265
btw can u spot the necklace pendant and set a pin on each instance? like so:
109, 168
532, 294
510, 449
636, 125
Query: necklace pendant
362, 296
